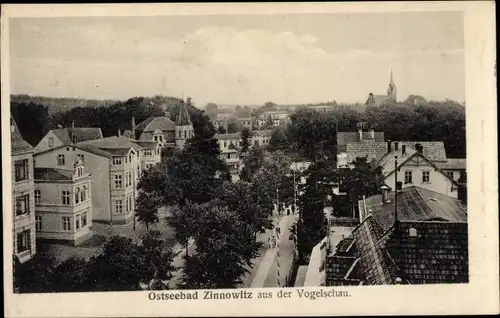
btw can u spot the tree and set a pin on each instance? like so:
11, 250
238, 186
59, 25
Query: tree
221, 130
35, 276
278, 140
225, 247
311, 228
146, 208
252, 163
185, 219
233, 126
71, 276
245, 140
211, 110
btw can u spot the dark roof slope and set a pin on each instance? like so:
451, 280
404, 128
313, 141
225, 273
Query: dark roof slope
113, 142
53, 174
157, 122
18, 144
81, 134
453, 164
416, 204
371, 150
343, 138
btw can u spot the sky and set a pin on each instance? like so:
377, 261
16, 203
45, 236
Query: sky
245, 60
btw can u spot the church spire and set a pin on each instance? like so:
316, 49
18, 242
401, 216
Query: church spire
392, 79
183, 118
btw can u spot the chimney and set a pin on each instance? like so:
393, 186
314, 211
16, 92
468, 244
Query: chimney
403, 149
73, 124
396, 145
119, 132
385, 193
418, 147
389, 144
59, 126
372, 134
12, 127
360, 133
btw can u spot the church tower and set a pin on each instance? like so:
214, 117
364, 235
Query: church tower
392, 90
183, 126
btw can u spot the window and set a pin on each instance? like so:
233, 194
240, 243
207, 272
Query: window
84, 219
160, 138
38, 223
185, 134
118, 206
148, 153
66, 220
51, 142
61, 160
81, 157
80, 171
157, 151
21, 168
408, 177
130, 178
83, 194
118, 181
24, 241
77, 195
126, 159
38, 196
426, 176
117, 161
130, 158
225, 144
155, 138
77, 222
65, 198
412, 232
450, 174
23, 204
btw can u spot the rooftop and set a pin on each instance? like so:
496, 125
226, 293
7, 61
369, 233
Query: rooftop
113, 142
53, 174
453, 164
415, 204
156, 122
79, 133
228, 136
343, 138
183, 117
147, 144
18, 144
371, 150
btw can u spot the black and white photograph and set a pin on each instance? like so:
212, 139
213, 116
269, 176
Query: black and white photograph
214, 154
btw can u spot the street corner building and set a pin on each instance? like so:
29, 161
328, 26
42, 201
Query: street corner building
423, 241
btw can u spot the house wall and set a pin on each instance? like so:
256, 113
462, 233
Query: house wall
44, 143
98, 166
51, 211
26, 221
168, 136
127, 193
438, 181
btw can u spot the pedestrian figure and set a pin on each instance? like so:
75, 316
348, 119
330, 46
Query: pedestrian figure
268, 242
274, 241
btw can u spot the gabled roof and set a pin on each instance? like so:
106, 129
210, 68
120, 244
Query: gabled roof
371, 150
157, 122
183, 118
387, 163
18, 144
415, 204
453, 164
263, 132
113, 142
81, 146
81, 134
343, 138
377, 267
433, 150
148, 144
53, 174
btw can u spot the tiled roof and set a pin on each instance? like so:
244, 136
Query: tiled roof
371, 150
433, 150
376, 265
81, 133
338, 266
113, 142
183, 117
438, 253
128, 133
53, 174
264, 132
343, 138
153, 123
387, 163
18, 144
344, 245
147, 144
453, 164
415, 204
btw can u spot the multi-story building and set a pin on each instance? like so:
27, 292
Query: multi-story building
162, 129
277, 118
149, 154
23, 189
63, 204
67, 136
261, 137
114, 164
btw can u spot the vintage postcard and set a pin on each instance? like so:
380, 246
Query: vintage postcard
249, 159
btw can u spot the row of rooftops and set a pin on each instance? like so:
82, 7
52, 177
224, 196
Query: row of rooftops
427, 244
